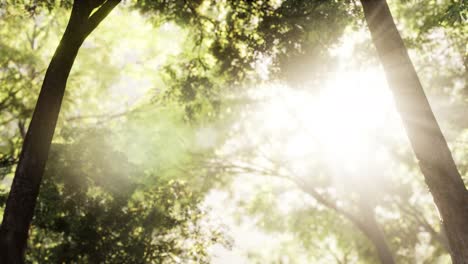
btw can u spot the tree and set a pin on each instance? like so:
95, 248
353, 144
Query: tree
194, 94
90, 188
21, 77
429, 145
25, 188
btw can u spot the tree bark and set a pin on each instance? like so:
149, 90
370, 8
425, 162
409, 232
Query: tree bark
25, 187
428, 143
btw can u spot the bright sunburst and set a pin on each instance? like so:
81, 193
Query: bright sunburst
342, 122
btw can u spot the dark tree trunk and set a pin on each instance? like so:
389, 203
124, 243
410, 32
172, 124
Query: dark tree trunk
25, 187
427, 140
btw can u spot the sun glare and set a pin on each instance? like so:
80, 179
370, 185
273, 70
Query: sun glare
341, 122
350, 112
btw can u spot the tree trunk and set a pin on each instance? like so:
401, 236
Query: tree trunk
370, 227
25, 187
429, 145
365, 222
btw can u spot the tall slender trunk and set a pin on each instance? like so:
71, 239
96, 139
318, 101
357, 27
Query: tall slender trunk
371, 228
429, 145
25, 187
366, 222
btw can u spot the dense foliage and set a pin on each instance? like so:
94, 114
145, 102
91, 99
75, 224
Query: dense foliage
172, 102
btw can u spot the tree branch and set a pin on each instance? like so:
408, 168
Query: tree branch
96, 18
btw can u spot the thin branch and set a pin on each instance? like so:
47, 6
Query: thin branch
304, 186
96, 18
420, 219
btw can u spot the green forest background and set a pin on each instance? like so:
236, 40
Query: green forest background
232, 132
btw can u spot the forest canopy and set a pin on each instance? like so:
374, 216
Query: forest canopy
269, 131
